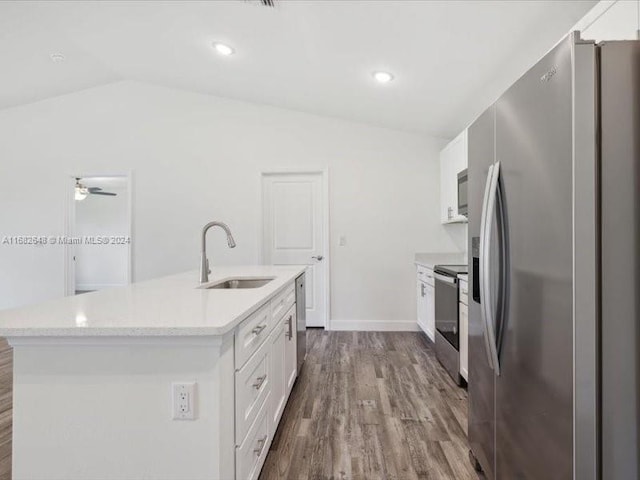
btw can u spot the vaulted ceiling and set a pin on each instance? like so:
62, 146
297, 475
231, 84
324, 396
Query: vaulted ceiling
450, 59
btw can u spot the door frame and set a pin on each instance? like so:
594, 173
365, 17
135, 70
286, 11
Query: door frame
324, 172
70, 219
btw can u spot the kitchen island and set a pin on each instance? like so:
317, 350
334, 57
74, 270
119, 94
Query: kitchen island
97, 378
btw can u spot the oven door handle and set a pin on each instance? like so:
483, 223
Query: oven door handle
445, 279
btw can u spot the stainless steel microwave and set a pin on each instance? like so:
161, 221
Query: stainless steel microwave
463, 180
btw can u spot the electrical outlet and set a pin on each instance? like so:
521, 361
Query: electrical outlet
184, 400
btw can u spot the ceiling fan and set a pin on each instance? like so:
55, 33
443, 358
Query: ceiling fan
81, 191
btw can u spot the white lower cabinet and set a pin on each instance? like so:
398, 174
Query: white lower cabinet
277, 344
250, 455
422, 305
253, 384
431, 312
426, 301
265, 371
290, 351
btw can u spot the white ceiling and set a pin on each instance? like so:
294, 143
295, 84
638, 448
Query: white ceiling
450, 59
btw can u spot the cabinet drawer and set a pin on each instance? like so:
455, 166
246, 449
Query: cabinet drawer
252, 332
421, 270
425, 275
463, 292
282, 302
252, 387
250, 455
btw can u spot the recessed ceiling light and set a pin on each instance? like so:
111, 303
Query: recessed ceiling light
382, 77
223, 49
57, 57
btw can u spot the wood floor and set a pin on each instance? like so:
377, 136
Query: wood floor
371, 405
6, 389
366, 406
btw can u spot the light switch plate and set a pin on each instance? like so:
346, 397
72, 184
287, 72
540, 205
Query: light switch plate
184, 400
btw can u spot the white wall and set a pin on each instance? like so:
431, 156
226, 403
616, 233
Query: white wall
196, 158
611, 20
102, 265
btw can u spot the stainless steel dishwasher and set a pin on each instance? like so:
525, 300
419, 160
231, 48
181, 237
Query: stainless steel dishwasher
301, 316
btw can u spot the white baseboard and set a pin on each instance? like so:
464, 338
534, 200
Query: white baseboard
375, 325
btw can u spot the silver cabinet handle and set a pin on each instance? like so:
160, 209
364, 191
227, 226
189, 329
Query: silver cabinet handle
290, 328
258, 330
259, 382
318, 257
261, 444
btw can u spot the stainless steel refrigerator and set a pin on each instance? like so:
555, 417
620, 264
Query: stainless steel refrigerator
554, 236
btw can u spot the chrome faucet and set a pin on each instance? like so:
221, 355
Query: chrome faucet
204, 261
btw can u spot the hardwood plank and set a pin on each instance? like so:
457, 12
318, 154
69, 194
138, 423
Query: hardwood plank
372, 405
6, 408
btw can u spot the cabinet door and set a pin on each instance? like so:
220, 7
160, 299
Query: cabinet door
290, 350
277, 373
421, 295
464, 341
431, 311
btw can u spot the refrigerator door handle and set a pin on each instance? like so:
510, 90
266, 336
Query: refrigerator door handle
483, 264
485, 275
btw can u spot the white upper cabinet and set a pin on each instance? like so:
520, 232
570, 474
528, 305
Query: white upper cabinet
453, 159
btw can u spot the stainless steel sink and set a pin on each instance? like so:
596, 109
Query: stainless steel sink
235, 283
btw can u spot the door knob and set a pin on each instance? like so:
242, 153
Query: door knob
318, 257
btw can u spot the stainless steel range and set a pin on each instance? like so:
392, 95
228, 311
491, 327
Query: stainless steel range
447, 318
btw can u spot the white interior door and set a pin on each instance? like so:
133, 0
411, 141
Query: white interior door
295, 231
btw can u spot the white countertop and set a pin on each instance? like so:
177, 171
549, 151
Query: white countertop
463, 276
431, 259
167, 306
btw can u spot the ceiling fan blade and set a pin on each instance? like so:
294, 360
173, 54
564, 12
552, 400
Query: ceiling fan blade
94, 189
103, 193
